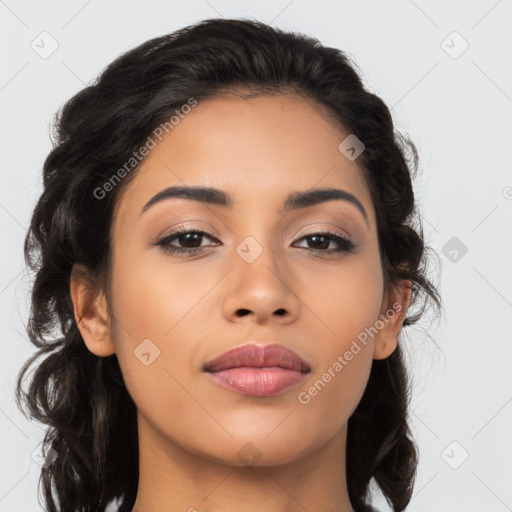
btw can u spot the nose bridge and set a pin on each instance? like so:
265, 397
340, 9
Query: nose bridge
258, 237
260, 257
261, 277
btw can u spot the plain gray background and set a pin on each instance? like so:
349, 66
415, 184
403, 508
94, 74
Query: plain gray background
454, 102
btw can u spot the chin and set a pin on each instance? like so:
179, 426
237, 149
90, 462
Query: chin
259, 451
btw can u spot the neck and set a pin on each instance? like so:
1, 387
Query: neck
173, 478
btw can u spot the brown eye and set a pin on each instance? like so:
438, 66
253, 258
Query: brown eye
189, 241
320, 242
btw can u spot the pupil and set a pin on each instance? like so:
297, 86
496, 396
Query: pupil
323, 244
195, 237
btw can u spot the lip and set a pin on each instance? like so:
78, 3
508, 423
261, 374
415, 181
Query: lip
258, 370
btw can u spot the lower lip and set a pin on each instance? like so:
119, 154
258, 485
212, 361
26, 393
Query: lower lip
258, 381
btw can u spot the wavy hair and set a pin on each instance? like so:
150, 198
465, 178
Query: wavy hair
73, 391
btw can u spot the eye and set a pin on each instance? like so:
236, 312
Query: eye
321, 242
189, 239
190, 242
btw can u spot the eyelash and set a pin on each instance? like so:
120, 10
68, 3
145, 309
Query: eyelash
346, 246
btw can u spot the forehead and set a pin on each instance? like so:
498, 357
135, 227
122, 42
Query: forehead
259, 148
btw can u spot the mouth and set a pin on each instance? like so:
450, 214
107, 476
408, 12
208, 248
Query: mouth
258, 371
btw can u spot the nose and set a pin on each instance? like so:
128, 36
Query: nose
261, 291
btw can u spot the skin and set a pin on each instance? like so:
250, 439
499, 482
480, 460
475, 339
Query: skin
192, 433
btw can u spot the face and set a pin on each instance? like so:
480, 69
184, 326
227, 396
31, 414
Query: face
307, 277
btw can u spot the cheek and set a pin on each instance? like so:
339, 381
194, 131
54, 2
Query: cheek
177, 306
178, 303
155, 340
330, 397
347, 299
348, 304
154, 298
160, 314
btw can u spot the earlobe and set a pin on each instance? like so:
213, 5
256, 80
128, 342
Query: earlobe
90, 312
392, 317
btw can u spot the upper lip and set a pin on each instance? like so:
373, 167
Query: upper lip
257, 356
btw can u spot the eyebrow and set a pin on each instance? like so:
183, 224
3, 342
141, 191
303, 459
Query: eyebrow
294, 201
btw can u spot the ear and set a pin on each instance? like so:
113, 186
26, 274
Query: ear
90, 309
392, 315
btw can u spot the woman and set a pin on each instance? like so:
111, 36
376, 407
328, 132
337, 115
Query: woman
225, 254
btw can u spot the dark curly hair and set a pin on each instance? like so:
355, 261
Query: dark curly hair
73, 391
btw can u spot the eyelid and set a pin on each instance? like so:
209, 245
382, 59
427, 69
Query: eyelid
209, 229
345, 245
333, 229
308, 229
